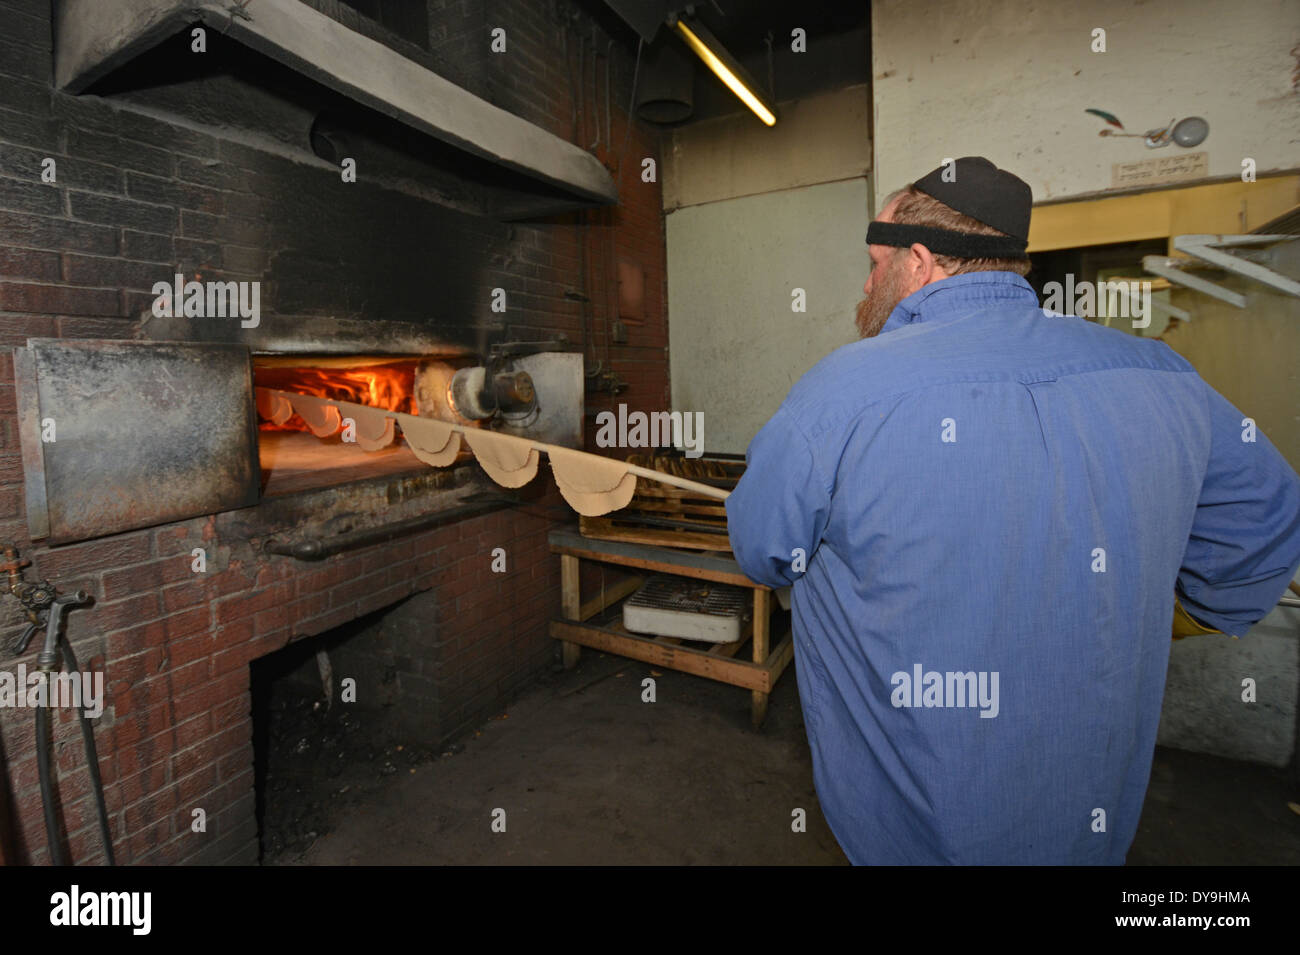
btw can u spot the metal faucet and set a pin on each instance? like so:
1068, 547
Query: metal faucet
42, 605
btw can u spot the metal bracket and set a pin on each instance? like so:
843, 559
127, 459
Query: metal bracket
1209, 249
519, 349
1172, 310
1135, 297
1171, 269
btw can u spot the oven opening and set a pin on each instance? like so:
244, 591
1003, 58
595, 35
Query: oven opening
293, 459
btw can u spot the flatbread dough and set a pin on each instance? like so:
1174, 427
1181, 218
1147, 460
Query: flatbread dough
592, 485
432, 441
510, 461
375, 429
321, 416
274, 408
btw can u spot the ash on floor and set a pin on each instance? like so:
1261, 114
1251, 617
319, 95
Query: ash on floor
315, 764
580, 771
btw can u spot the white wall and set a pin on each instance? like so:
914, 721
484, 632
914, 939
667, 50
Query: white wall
753, 213
736, 346
822, 138
1010, 79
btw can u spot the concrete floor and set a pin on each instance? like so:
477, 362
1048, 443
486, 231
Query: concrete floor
1205, 810
589, 774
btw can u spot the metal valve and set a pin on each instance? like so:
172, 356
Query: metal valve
43, 606
476, 395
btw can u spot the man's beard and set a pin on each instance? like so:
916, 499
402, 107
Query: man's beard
886, 293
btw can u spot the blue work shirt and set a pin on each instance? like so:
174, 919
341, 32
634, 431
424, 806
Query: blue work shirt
1004, 499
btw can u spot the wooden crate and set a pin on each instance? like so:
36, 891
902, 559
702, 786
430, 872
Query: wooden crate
667, 516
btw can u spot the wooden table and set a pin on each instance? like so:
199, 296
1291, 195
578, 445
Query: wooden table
758, 676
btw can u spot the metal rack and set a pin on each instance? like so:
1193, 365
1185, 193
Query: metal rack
1210, 250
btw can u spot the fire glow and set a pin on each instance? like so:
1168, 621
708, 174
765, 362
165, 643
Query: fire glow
390, 385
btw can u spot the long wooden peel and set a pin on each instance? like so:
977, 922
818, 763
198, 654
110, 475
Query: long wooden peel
647, 473
673, 479
684, 483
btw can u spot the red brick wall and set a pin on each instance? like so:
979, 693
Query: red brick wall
137, 197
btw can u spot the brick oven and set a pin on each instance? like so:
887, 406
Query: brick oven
208, 536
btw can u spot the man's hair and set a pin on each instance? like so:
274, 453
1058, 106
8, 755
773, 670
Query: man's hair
917, 208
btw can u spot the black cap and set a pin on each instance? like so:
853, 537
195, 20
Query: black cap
975, 187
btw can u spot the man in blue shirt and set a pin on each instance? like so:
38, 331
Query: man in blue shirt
986, 512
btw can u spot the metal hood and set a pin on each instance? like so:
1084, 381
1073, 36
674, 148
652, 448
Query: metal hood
95, 37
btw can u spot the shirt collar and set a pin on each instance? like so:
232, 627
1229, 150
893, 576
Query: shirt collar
953, 297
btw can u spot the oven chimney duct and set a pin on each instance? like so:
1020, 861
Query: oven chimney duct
666, 93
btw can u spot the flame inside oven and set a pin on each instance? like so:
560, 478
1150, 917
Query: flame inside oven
294, 459
377, 382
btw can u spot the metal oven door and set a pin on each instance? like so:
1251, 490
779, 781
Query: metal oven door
119, 435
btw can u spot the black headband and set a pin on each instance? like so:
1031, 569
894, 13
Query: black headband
961, 245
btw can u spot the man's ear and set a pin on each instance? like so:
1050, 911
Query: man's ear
920, 265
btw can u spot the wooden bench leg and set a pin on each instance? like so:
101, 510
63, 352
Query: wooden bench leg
570, 606
762, 621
